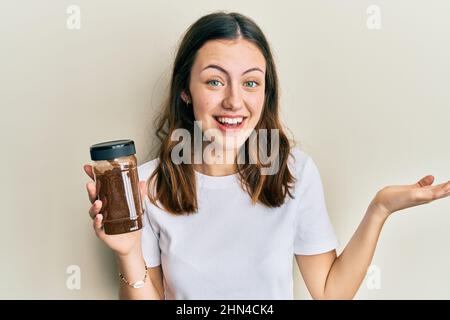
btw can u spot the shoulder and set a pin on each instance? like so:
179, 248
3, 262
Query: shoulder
308, 178
298, 161
147, 168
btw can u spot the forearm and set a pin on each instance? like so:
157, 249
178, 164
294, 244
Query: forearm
350, 268
133, 269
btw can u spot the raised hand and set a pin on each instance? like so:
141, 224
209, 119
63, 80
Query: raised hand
395, 198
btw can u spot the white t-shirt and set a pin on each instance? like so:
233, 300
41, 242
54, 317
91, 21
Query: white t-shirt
231, 249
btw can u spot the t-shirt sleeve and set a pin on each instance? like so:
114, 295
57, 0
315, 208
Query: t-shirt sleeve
314, 232
150, 231
150, 240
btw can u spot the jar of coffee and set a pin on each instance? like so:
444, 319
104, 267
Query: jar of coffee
117, 183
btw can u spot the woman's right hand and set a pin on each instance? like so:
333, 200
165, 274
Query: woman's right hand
121, 244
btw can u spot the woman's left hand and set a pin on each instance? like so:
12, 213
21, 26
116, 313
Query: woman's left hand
395, 198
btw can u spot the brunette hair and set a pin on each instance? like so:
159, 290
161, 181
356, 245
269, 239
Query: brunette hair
175, 183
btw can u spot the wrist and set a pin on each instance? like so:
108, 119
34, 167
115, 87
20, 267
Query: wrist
132, 268
378, 211
137, 284
133, 254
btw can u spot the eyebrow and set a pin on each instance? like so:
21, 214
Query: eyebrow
214, 66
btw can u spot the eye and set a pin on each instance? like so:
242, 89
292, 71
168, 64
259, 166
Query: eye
255, 84
215, 81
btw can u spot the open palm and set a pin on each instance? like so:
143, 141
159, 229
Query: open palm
398, 197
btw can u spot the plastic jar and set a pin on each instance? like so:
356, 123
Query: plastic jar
117, 183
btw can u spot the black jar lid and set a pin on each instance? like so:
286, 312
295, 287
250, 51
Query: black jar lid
112, 149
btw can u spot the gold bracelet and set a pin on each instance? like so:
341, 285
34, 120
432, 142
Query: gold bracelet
137, 284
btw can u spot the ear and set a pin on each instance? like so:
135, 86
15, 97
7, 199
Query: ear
185, 97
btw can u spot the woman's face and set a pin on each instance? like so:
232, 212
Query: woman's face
227, 89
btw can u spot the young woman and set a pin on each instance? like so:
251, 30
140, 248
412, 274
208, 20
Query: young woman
224, 229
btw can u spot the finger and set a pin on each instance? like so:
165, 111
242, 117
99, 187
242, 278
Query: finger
425, 181
430, 193
443, 190
88, 169
92, 191
98, 226
439, 187
95, 208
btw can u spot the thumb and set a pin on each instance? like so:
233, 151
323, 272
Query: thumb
425, 181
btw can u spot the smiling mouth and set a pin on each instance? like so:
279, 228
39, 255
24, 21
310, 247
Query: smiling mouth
234, 123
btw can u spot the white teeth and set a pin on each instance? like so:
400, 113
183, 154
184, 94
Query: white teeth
230, 120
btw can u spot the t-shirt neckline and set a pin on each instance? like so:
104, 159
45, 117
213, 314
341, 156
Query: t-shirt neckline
215, 182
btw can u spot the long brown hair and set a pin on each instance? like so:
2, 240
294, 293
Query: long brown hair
175, 183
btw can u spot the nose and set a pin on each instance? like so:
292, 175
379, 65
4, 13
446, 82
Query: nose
233, 100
